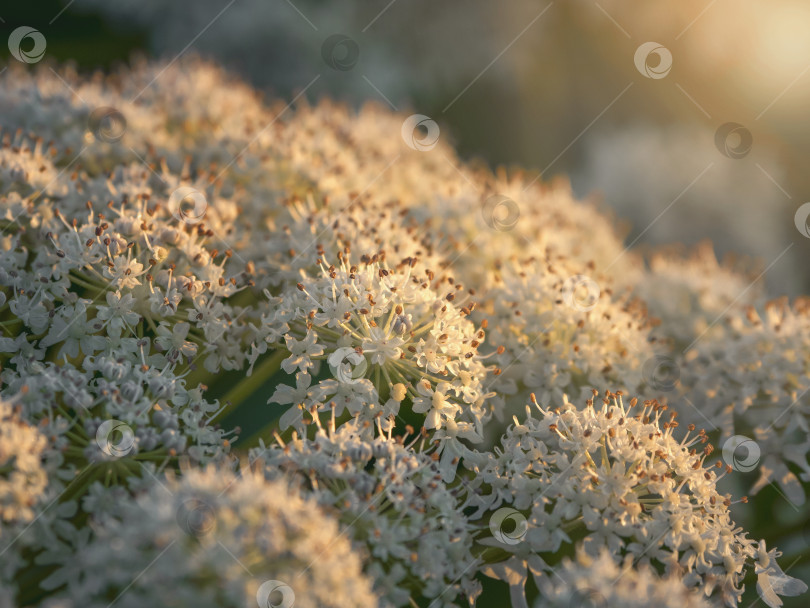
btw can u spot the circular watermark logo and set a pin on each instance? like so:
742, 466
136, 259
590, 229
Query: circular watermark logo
500, 212
581, 292
196, 517
347, 365
741, 453
802, 220
188, 205
275, 594
661, 372
653, 60
733, 140
107, 124
115, 438
420, 132
340, 52
32, 39
508, 526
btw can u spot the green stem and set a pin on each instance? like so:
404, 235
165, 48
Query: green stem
250, 384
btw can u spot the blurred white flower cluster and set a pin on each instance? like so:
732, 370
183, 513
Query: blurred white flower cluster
173, 246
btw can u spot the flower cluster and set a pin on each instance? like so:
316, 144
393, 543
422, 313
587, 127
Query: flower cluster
170, 269
113, 300
752, 380
393, 503
602, 583
687, 296
381, 321
615, 478
560, 334
209, 538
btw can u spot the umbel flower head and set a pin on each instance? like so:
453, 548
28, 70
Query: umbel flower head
394, 505
210, 537
147, 107
122, 255
751, 379
114, 299
159, 416
559, 333
393, 339
387, 284
687, 296
614, 477
600, 582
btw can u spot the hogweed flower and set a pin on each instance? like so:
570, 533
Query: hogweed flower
552, 345
395, 507
391, 337
615, 478
155, 242
688, 296
210, 537
599, 582
751, 379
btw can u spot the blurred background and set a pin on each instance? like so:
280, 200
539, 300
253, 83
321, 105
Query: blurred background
687, 118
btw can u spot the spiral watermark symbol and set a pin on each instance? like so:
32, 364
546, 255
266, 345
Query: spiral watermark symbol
656, 69
733, 140
188, 205
428, 132
115, 438
29, 37
107, 124
581, 292
661, 372
741, 453
340, 52
500, 212
347, 365
802, 220
508, 526
196, 517
587, 598
275, 594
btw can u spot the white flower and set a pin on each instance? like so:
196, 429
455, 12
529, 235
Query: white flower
376, 346
118, 313
618, 479
71, 328
550, 347
434, 404
688, 295
601, 582
211, 538
166, 418
749, 377
124, 272
429, 309
771, 581
394, 506
381, 346
172, 339
286, 395
301, 352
